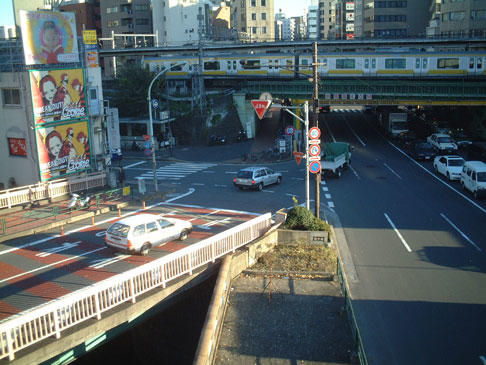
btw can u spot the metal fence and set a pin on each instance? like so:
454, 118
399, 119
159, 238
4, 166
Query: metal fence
351, 316
51, 189
30, 327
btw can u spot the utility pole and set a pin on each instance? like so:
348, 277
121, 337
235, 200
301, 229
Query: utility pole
315, 122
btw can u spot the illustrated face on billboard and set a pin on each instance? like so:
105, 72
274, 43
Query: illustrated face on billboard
57, 95
49, 37
63, 149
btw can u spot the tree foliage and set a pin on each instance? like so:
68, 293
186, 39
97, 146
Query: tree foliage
130, 89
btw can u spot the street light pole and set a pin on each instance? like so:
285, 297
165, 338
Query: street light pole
151, 124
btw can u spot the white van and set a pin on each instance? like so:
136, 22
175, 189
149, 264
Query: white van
139, 233
473, 178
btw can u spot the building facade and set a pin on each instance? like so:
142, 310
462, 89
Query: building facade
466, 18
313, 22
254, 20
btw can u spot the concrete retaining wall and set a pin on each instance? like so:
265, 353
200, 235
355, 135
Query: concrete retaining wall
286, 237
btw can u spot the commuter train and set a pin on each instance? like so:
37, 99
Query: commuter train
286, 65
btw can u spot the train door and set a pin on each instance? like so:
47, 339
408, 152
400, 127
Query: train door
231, 67
273, 67
417, 69
475, 65
425, 66
322, 68
373, 67
479, 65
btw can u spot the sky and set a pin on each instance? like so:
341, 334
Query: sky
289, 7
6, 15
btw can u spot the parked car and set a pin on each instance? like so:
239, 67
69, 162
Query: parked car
443, 143
473, 178
449, 166
256, 178
421, 150
476, 151
139, 233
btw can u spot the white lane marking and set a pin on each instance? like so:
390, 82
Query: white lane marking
483, 359
355, 134
212, 223
65, 246
392, 171
208, 172
325, 188
398, 233
323, 182
268, 191
298, 178
231, 172
34, 243
329, 130
50, 265
198, 184
220, 186
204, 215
354, 172
288, 194
133, 164
460, 232
98, 264
438, 179
328, 196
330, 204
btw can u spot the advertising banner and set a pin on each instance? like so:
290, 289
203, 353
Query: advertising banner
17, 147
63, 149
57, 95
91, 48
49, 37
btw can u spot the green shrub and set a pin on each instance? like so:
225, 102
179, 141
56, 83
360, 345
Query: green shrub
301, 219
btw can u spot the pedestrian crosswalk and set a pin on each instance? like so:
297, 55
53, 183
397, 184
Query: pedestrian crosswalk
176, 171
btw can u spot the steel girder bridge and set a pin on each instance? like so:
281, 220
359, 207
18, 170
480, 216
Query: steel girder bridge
471, 92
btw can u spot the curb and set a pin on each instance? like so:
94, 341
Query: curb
62, 222
315, 275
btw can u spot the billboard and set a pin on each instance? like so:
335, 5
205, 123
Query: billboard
63, 149
57, 95
48, 37
91, 48
17, 147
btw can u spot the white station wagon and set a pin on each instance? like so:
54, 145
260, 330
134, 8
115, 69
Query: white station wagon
139, 233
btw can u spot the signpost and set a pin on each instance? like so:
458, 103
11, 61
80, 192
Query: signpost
261, 107
289, 130
315, 166
315, 150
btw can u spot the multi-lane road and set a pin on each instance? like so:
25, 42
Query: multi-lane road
417, 242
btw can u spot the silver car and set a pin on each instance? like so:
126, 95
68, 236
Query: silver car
256, 178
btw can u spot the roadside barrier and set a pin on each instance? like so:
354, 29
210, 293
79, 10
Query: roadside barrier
52, 189
27, 328
351, 316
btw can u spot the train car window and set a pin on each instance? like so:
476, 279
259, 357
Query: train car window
211, 65
304, 63
395, 63
417, 63
234, 65
276, 63
367, 63
342, 63
250, 64
479, 63
448, 63
228, 65
270, 64
424, 63
322, 62
176, 68
289, 63
471, 62
373, 63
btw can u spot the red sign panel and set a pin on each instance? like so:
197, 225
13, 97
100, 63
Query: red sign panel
261, 106
17, 147
314, 133
298, 156
146, 137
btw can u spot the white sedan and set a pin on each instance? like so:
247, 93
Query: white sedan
449, 166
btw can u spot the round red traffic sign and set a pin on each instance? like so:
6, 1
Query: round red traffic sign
289, 130
315, 167
314, 150
314, 133
148, 151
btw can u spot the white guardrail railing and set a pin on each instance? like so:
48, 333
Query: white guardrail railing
50, 189
32, 326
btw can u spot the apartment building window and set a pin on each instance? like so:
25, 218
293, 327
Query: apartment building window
113, 23
112, 10
253, 16
141, 7
390, 4
456, 1
141, 21
264, 30
478, 14
263, 2
264, 16
11, 96
456, 16
253, 30
242, 3
389, 18
253, 3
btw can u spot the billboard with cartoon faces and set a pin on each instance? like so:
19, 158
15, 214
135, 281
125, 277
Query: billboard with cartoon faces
57, 95
63, 149
49, 37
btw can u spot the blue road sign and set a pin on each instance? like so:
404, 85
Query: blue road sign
314, 167
155, 103
289, 130
147, 151
147, 145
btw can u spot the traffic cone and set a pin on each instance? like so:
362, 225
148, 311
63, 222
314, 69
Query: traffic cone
143, 204
92, 221
62, 229
119, 212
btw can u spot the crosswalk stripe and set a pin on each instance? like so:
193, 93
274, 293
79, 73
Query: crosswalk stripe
176, 171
